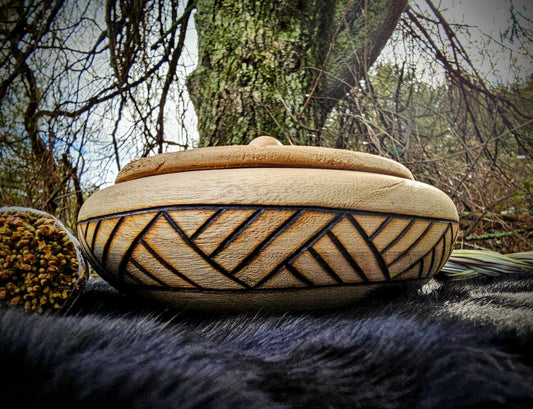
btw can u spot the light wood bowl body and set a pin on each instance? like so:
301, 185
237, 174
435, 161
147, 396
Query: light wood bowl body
274, 238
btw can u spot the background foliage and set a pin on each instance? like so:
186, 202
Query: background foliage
87, 86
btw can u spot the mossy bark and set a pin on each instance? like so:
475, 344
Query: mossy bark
278, 67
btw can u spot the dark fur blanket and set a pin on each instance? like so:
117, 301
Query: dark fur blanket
449, 345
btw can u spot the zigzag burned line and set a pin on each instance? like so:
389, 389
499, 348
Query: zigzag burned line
95, 233
169, 267
381, 227
145, 272
325, 266
211, 262
236, 233
445, 250
98, 266
413, 245
135, 243
261, 246
300, 250
432, 262
84, 232
110, 239
207, 223
379, 258
95, 241
420, 260
298, 275
399, 236
347, 256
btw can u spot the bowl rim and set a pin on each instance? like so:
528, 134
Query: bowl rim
261, 156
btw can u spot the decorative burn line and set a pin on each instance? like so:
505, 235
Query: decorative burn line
338, 215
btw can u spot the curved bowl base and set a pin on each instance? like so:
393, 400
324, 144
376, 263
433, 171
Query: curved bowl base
281, 300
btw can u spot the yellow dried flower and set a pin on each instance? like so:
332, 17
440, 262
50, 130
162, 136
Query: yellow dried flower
38, 261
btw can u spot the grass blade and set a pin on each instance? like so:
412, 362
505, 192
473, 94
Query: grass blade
464, 264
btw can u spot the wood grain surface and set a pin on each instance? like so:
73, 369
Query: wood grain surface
261, 152
274, 186
266, 238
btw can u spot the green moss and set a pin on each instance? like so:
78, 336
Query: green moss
259, 61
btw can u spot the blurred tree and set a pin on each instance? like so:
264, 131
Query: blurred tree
279, 67
86, 86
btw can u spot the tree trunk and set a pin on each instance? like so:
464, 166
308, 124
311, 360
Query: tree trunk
279, 67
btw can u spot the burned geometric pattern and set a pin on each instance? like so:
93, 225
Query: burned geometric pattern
256, 248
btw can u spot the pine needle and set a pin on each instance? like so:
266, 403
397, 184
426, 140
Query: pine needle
464, 264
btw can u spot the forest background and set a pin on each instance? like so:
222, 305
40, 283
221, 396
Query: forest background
87, 86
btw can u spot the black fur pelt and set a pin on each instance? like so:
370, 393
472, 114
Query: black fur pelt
446, 345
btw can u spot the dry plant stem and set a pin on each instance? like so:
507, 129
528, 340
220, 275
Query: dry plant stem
497, 235
465, 264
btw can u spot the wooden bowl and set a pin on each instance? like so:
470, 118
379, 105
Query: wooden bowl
265, 226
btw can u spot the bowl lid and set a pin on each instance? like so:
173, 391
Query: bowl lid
262, 152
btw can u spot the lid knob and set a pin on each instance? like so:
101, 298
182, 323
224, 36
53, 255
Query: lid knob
265, 141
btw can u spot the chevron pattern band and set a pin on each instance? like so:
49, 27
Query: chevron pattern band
256, 248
